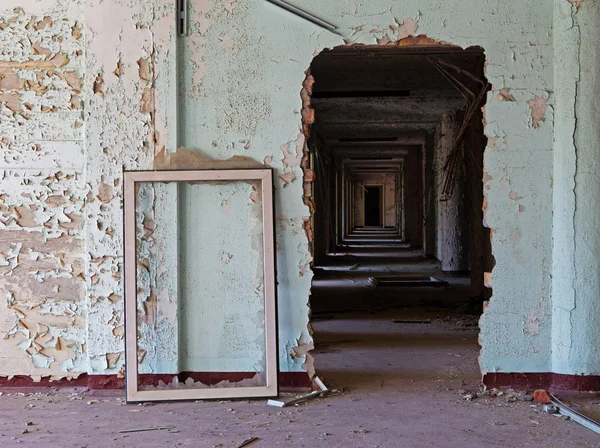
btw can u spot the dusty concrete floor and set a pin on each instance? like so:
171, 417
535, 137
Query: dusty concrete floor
397, 386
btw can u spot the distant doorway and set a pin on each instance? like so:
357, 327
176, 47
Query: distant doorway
373, 206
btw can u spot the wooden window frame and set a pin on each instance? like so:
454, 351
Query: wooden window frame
133, 393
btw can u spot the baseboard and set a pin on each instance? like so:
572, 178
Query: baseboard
288, 381
556, 382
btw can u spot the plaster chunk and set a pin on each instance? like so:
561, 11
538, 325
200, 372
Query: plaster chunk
144, 70
105, 192
514, 196
147, 102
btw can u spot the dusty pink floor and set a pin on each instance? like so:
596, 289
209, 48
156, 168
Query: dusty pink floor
397, 387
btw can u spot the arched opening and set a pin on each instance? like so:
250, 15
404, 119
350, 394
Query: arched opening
395, 151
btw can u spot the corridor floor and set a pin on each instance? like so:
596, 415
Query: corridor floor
395, 385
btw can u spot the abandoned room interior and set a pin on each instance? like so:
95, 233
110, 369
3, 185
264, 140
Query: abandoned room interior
267, 223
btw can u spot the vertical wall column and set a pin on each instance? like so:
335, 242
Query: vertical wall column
429, 197
576, 189
480, 251
453, 217
413, 197
398, 204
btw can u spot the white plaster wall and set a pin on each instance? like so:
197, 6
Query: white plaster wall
221, 301
243, 66
241, 72
576, 282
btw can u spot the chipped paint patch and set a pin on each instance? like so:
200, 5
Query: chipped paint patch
287, 178
293, 160
225, 257
514, 196
531, 325
538, 111
505, 95
577, 3
225, 206
42, 273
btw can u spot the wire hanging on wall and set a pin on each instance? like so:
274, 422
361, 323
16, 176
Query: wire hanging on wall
457, 153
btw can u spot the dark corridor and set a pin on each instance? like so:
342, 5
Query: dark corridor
373, 211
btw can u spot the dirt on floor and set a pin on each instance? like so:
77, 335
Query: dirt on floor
403, 378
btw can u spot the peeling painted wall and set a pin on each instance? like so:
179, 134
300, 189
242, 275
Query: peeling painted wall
81, 102
43, 261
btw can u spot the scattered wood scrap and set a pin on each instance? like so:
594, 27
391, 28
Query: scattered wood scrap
154, 428
248, 442
317, 393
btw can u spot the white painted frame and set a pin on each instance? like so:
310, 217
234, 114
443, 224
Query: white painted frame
265, 176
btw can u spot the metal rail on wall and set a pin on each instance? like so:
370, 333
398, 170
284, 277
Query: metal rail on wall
303, 14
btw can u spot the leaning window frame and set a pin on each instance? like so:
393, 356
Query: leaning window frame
271, 388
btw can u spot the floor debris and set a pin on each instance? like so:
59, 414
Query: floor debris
303, 398
154, 428
564, 410
399, 414
248, 441
541, 396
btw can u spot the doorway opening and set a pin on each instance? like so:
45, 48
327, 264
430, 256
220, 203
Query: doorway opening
400, 248
373, 206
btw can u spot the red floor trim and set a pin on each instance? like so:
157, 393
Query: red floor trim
543, 380
288, 381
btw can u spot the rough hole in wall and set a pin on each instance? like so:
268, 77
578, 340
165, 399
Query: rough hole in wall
393, 167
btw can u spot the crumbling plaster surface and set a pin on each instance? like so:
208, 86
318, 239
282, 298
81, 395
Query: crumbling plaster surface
42, 191
242, 68
157, 244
